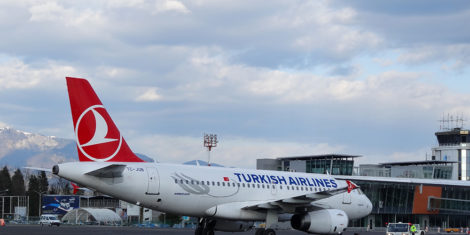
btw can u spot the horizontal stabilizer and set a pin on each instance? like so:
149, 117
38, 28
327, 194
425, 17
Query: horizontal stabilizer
37, 169
111, 171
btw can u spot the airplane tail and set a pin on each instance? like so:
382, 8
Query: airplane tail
98, 138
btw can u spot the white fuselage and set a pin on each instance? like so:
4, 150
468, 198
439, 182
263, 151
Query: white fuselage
203, 191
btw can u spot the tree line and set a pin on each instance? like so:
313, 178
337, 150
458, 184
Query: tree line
37, 185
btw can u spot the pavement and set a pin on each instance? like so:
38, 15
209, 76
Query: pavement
20, 229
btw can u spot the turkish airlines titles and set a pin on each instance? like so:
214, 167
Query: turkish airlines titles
299, 181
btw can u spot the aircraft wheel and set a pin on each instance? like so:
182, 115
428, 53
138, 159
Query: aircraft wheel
269, 232
259, 231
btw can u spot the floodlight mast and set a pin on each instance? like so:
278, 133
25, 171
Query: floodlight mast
210, 141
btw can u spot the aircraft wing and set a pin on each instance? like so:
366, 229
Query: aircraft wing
304, 201
37, 169
414, 181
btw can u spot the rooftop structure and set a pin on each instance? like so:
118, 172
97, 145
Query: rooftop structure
335, 164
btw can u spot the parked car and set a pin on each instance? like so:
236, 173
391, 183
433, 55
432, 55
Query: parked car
50, 220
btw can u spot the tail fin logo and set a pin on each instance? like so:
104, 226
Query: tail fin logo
97, 136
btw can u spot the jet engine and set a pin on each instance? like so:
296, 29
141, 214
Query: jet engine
232, 226
327, 221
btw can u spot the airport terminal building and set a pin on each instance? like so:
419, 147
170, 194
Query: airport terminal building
424, 192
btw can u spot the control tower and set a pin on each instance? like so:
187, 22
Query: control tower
454, 145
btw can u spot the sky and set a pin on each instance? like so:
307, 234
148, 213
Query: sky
271, 79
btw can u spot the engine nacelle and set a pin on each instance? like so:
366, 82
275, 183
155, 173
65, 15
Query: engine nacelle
327, 221
233, 226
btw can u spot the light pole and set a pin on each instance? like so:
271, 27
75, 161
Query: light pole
210, 141
40, 201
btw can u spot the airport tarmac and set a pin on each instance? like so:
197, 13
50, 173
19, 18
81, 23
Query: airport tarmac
110, 230
124, 230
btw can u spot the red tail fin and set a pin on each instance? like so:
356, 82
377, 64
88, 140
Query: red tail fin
98, 138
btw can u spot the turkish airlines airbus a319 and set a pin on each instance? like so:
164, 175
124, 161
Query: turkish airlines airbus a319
224, 199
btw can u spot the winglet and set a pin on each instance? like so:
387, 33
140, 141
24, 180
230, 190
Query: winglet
351, 186
75, 188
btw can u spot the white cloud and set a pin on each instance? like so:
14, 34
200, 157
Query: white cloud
3, 125
231, 151
171, 5
126, 3
51, 11
15, 74
211, 75
150, 94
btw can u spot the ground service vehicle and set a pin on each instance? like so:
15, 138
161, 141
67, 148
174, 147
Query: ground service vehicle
404, 229
50, 220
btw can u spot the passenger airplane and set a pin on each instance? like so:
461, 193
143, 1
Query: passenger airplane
224, 199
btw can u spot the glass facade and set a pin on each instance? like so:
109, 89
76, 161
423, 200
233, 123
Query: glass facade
393, 202
322, 166
442, 172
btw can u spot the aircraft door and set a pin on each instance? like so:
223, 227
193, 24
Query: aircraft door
153, 186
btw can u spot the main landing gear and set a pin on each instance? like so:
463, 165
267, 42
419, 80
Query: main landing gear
205, 227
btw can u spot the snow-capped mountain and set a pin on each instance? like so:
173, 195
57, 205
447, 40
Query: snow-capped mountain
19, 148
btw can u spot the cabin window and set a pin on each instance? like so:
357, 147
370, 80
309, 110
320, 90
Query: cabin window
213, 183
181, 181
247, 185
197, 182
218, 183
259, 186
176, 181
280, 186
243, 185
208, 183
192, 181
233, 184
187, 181
223, 183
263, 185
267, 186
287, 187
202, 182
297, 187
238, 184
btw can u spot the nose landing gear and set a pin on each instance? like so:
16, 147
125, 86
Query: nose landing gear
205, 227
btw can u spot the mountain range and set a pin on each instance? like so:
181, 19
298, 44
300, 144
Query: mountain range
20, 148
